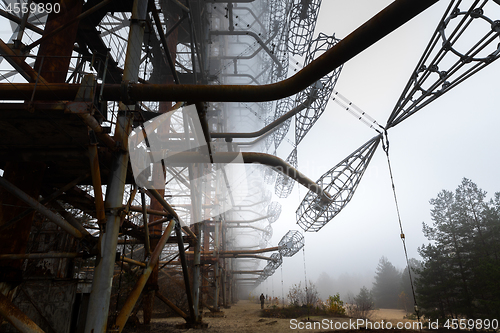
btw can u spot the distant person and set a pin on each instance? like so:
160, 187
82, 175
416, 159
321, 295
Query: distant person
262, 298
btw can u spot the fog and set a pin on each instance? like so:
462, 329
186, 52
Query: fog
452, 138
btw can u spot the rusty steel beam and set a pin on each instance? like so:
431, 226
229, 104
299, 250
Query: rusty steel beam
127, 308
96, 182
46, 200
16, 317
70, 218
154, 193
132, 261
185, 274
66, 25
138, 209
171, 305
91, 122
389, 19
18, 63
40, 208
147, 245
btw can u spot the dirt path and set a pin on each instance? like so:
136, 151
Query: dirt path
244, 317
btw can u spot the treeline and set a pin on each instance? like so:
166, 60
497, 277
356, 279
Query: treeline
459, 276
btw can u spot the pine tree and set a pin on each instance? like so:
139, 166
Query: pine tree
461, 268
406, 301
386, 286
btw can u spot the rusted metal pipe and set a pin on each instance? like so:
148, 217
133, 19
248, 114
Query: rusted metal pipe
249, 157
16, 317
127, 308
40, 208
267, 128
132, 261
386, 21
91, 122
163, 39
165, 205
269, 249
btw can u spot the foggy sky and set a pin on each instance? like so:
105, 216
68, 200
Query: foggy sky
455, 136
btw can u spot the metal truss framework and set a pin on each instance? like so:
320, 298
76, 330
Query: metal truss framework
448, 60
341, 181
73, 148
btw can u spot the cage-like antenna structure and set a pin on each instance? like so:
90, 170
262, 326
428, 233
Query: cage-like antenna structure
267, 196
269, 175
268, 141
303, 16
291, 243
273, 211
340, 182
450, 57
267, 234
273, 264
279, 10
284, 184
282, 107
322, 89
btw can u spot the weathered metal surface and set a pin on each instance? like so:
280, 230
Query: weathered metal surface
54, 54
16, 317
28, 178
127, 308
51, 314
171, 305
96, 181
18, 63
40, 208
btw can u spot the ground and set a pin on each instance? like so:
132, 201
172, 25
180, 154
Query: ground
244, 317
